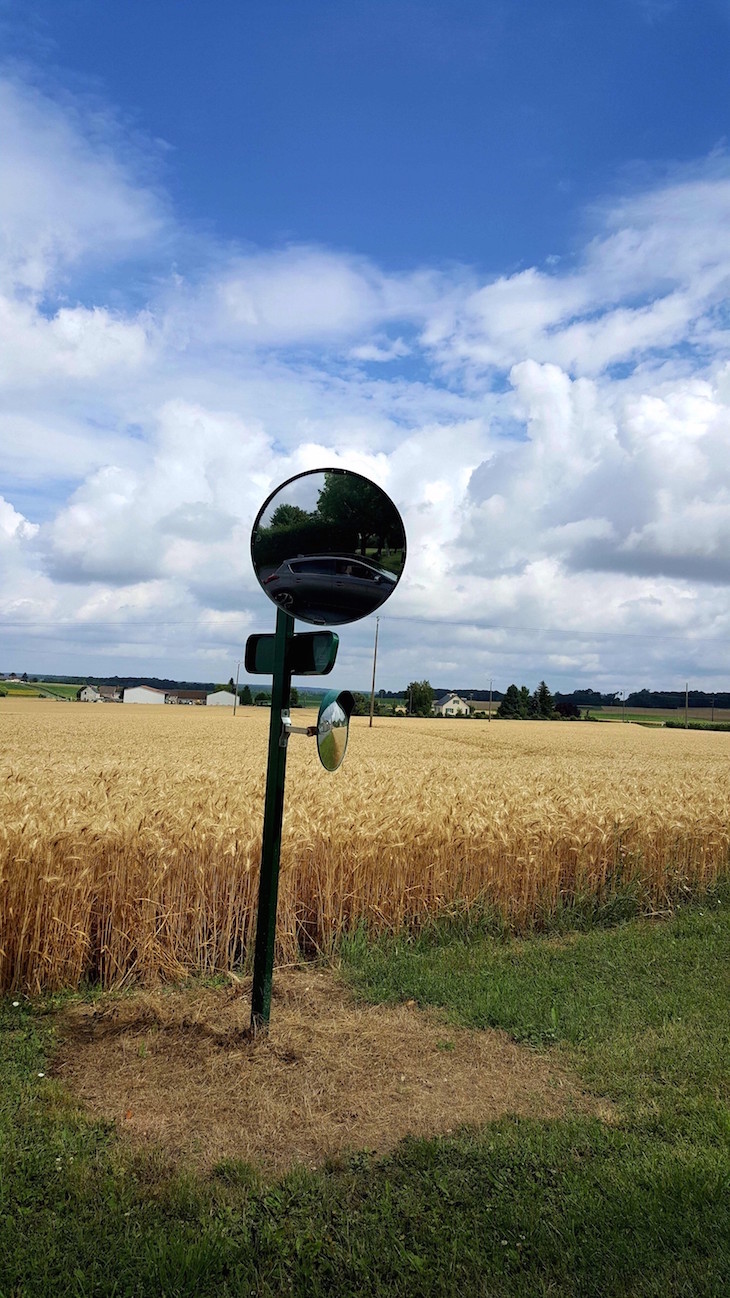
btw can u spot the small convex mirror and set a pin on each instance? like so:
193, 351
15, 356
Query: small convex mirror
328, 546
333, 727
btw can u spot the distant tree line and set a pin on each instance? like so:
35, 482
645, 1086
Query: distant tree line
477, 696
419, 695
125, 682
675, 699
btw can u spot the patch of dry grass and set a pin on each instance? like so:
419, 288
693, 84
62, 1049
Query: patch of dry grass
175, 1069
130, 836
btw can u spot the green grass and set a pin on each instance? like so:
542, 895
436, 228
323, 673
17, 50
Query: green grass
638, 1207
59, 691
39, 689
643, 718
630, 1008
699, 718
698, 725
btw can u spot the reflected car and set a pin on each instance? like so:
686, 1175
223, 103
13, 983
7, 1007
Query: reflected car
318, 587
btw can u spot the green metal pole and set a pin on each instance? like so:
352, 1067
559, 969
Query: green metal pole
263, 964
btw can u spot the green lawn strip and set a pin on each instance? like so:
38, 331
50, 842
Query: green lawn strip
522, 1208
39, 689
640, 1010
59, 691
573, 1207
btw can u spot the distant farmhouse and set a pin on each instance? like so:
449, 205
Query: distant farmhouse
221, 699
450, 705
99, 694
88, 694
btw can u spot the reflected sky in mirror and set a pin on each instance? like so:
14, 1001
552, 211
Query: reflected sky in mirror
328, 547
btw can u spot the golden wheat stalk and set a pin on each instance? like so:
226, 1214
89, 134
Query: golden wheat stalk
130, 837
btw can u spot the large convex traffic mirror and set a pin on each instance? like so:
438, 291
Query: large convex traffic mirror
328, 547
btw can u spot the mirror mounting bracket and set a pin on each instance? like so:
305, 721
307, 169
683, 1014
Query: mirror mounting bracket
288, 729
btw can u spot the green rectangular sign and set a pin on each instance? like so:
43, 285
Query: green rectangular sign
313, 653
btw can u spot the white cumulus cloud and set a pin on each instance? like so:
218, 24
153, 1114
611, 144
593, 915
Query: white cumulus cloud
556, 438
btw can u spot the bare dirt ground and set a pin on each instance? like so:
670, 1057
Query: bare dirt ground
174, 1068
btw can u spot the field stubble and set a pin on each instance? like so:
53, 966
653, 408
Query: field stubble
130, 836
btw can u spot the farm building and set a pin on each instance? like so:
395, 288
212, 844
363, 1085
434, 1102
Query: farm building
149, 694
109, 693
450, 705
143, 694
88, 694
99, 694
221, 699
185, 696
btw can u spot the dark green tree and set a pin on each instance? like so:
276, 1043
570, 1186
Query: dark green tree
420, 697
566, 707
542, 706
288, 516
355, 503
245, 696
510, 707
516, 704
294, 697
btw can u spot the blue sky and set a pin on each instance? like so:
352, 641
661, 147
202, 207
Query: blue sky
406, 132
476, 251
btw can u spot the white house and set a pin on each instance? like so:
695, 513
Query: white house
89, 694
450, 705
220, 699
143, 694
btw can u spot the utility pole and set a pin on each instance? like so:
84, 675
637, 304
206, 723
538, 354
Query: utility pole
686, 705
623, 705
235, 692
712, 717
490, 699
375, 659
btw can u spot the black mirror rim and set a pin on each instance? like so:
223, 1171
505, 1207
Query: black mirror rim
351, 473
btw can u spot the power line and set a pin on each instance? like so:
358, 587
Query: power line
569, 631
149, 623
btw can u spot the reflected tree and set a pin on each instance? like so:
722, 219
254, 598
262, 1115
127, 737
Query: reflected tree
288, 516
353, 502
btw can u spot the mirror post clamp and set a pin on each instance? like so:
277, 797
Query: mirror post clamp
288, 729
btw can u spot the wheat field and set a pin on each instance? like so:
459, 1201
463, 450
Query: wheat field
130, 835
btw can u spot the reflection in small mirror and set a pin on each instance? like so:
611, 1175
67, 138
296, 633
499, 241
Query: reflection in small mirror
328, 546
333, 728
